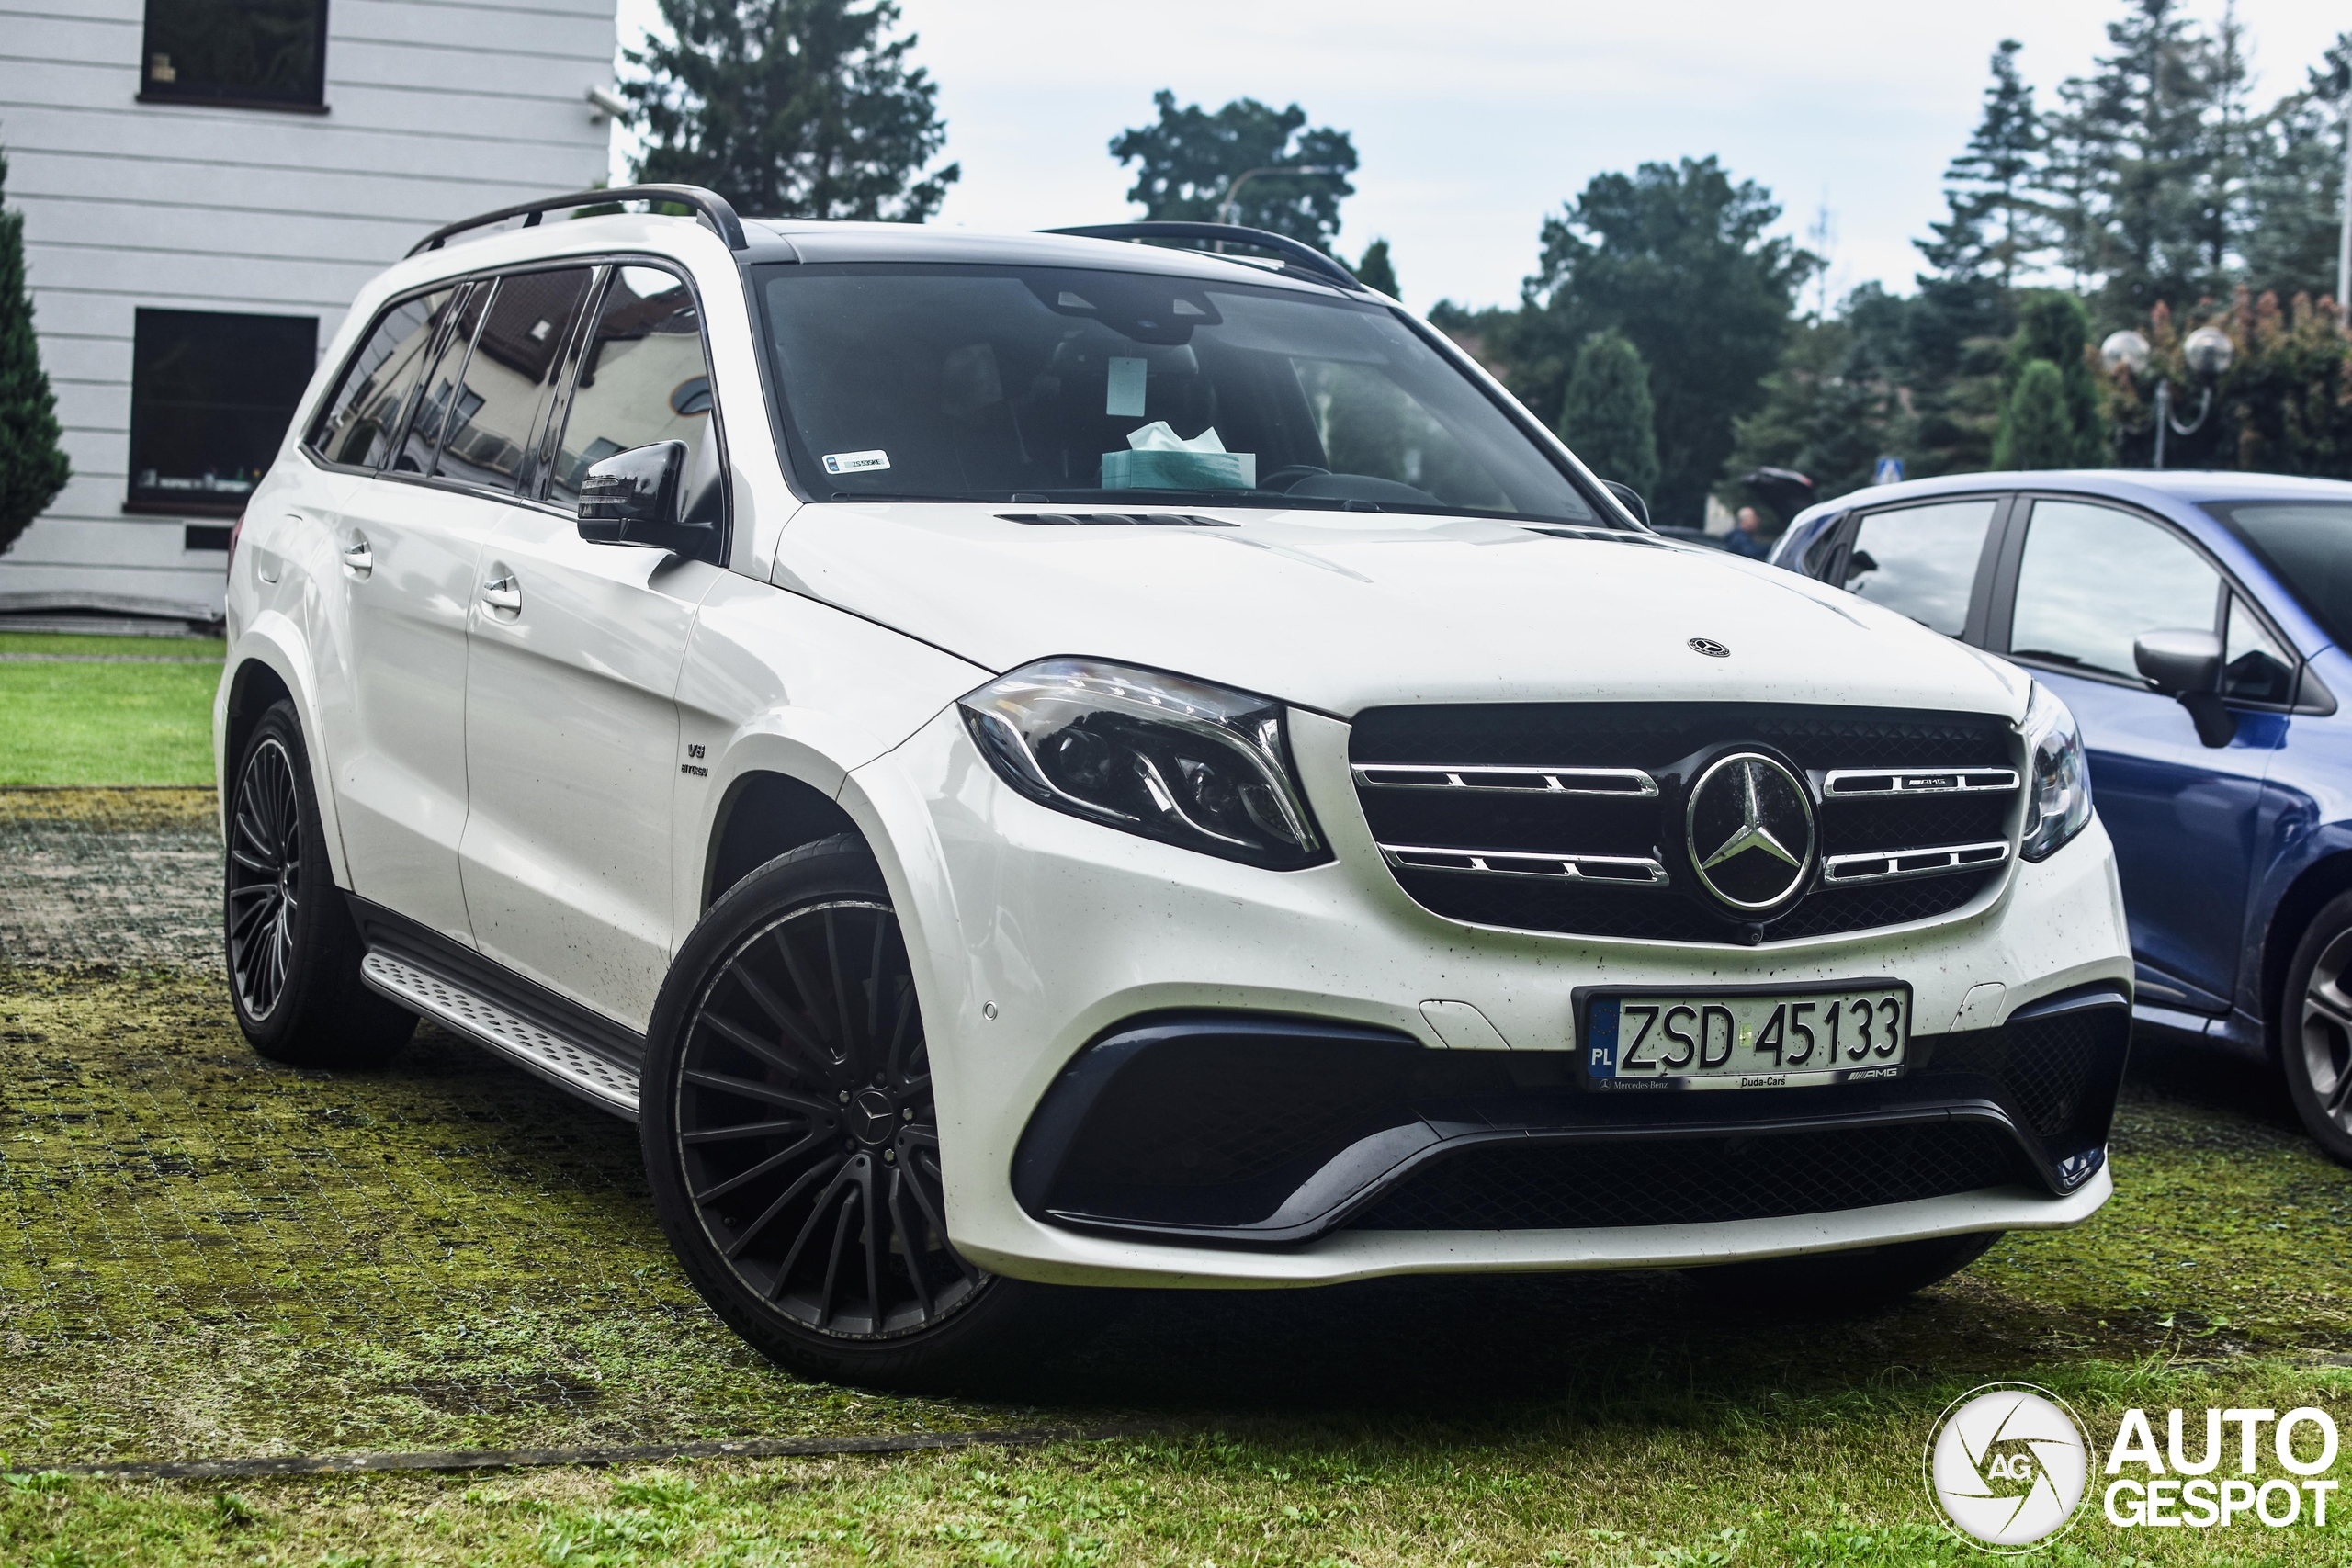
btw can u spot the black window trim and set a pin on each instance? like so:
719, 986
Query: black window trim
315, 102
556, 407
2310, 697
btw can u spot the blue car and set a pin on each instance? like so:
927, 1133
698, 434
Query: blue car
2199, 625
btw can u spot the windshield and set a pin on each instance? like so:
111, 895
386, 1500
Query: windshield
944, 382
2309, 545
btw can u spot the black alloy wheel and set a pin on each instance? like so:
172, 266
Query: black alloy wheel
792, 1141
293, 953
2315, 1029
806, 1124
264, 878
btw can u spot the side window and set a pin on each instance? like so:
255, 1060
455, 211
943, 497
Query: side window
443, 389
2093, 580
496, 405
356, 425
641, 379
1920, 561
2255, 669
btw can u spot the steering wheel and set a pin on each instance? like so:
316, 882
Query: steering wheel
1282, 478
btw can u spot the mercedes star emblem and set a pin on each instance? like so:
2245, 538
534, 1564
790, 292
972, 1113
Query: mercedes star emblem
1708, 647
1750, 831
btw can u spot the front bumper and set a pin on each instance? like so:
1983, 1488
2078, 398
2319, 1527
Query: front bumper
1036, 935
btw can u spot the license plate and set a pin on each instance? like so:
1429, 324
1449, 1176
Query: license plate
1784, 1039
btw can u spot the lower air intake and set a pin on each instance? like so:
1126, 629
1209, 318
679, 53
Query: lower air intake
1671, 1181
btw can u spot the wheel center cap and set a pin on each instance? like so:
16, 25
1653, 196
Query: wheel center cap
872, 1115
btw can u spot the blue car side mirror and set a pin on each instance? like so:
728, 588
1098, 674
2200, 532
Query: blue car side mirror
2186, 667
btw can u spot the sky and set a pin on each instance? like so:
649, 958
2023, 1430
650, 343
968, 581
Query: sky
1474, 121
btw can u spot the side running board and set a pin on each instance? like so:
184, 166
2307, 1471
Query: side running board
593, 1075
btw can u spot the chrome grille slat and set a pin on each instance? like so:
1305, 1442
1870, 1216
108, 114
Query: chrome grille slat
1864, 783
1852, 870
1627, 783
1523, 863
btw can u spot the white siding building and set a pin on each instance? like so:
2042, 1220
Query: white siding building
205, 184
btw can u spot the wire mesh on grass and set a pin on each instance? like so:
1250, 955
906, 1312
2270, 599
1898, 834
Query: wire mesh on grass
128, 878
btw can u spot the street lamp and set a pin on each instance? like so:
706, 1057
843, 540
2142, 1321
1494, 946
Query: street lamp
1232, 204
2209, 352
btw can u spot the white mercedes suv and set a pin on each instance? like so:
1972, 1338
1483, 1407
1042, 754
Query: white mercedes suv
1039, 761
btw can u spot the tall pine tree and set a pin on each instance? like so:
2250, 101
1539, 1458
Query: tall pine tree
1999, 226
2130, 160
33, 469
792, 108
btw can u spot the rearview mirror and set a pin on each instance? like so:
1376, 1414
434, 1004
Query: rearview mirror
635, 498
2186, 666
1631, 500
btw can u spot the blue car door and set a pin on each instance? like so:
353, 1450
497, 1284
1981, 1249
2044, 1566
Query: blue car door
2078, 581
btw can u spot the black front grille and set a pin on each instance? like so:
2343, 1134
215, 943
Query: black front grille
1665, 739
1667, 1181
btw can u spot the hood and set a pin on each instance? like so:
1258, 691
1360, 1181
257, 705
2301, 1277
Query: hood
1345, 611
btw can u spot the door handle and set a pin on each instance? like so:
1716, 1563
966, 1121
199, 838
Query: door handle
503, 593
357, 559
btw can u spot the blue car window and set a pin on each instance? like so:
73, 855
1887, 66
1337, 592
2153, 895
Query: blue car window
2093, 580
1920, 561
2255, 669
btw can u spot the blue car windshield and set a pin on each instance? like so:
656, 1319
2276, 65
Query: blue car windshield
2309, 545
1058, 385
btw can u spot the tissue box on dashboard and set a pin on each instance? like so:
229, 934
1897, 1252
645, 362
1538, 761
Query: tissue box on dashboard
1180, 470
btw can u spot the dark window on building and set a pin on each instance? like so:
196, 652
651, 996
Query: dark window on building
359, 424
265, 53
506, 380
211, 397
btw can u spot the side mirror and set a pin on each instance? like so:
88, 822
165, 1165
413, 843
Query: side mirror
2186, 666
2179, 662
1630, 498
635, 498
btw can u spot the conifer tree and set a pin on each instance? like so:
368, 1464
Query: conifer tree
2053, 329
1999, 226
32, 467
792, 108
1376, 271
1607, 417
2036, 430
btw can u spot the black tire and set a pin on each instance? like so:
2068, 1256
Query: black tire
2315, 1029
293, 953
793, 1148
1836, 1283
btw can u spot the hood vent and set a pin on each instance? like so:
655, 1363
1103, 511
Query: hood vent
1114, 520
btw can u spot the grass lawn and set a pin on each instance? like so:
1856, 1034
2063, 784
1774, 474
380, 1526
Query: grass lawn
206, 1254
70, 723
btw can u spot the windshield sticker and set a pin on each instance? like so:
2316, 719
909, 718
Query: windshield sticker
857, 462
1125, 400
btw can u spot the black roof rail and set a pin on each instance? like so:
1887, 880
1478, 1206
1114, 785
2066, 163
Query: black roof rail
709, 203
1305, 256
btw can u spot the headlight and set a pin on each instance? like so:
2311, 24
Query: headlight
1170, 759
2060, 805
